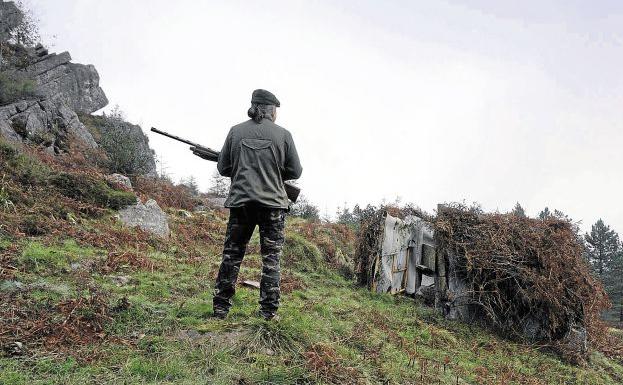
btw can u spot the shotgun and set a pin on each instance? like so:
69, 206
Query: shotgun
212, 155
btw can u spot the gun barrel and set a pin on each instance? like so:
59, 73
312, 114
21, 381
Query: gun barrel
157, 131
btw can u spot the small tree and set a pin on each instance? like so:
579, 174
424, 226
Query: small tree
191, 184
545, 214
27, 32
605, 254
345, 216
518, 211
303, 208
603, 245
219, 187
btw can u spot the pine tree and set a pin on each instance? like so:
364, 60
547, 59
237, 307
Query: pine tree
605, 255
603, 245
303, 208
191, 184
220, 186
518, 211
345, 216
545, 214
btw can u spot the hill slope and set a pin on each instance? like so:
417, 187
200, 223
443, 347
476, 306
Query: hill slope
86, 300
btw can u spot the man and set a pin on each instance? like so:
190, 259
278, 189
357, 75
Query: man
258, 156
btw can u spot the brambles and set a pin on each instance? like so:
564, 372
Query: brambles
523, 272
166, 193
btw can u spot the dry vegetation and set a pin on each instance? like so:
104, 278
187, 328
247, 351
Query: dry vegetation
519, 271
85, 300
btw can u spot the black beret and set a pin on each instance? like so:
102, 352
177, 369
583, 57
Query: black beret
265, 97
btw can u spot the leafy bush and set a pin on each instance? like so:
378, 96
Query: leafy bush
124, 144
14, 87
305, 209
35, 225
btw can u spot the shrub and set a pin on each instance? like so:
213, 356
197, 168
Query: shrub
35, 225
24, 169
14, 87
166, 193
89, 189
124, 144
305, 209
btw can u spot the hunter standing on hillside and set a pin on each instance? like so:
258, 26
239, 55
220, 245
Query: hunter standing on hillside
258, 156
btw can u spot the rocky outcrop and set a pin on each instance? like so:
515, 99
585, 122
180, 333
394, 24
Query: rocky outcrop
10, 17
148, 217
48, 123
62, 89
74, 85
54, 99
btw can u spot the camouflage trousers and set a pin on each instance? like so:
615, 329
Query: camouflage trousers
242, 222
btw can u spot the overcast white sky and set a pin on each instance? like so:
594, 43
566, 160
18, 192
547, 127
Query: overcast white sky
429, 101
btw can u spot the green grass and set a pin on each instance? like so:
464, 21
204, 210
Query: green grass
36, 257
331, 332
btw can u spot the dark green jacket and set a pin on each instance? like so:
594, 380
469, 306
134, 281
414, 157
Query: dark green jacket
258, 157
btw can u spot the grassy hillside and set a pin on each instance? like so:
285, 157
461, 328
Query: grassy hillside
85, 300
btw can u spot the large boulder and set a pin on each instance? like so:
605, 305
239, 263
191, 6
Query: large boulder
48, 123
120, 181
148, 217
62, 91
75, 85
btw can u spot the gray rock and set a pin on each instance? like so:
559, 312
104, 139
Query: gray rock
121, 280
216, 202
200, 208
120, 180
74, 127
576, 340
41, 51
75, 85
43, 122
10, 17
75, 266
15, 348
148, 217
7, 132
191, 335
184, 213
62, 289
